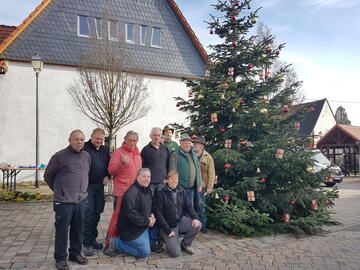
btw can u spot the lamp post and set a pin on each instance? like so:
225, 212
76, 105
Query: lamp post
37, 65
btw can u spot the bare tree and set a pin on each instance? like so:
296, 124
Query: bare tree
105, 93
341, 116
291, 78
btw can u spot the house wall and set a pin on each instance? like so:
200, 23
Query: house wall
58, 115
325, 122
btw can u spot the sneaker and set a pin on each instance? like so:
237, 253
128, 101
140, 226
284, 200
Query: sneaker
186, 248
97, 245
88, 250
157, 248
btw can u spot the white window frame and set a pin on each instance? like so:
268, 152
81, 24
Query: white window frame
152, 37
78, 26
97, 27
132, 41
116, 28
142, 39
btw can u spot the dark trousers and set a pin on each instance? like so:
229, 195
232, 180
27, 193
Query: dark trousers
68, 215
93, 207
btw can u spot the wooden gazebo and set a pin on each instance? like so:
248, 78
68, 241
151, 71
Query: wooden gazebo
341, 145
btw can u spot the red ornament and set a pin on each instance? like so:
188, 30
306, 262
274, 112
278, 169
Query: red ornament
277, 52
250, 66
267, 74
211, 32
292, 202
311, 109
230, 71
222, 129
225, 84
237, 4
326, 201
233, 18
177, 104
233, 43
262, 180
227, 166
297, 126
286, 109
226, 198
194, 137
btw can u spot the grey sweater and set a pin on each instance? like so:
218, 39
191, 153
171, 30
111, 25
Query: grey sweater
67, 174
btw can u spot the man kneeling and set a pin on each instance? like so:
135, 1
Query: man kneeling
176, 216
136, 218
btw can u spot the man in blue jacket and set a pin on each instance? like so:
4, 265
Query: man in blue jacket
95, 201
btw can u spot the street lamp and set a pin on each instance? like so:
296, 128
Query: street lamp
37, 65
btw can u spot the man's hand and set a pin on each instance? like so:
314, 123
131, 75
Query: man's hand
208, 191
199, 189
105, 180
195, 223
152, 220
172, 234
124, 159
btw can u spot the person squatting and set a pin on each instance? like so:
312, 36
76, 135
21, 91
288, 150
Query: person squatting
159, 194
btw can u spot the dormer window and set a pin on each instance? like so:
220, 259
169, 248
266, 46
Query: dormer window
83, 26
98, 27
129, 29
113, 30
156, 38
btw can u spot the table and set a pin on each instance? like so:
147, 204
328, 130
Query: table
10, 173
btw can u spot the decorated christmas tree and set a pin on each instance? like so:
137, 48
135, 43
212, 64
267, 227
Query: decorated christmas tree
265, 180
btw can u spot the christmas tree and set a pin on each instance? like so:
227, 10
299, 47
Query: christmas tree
265, 179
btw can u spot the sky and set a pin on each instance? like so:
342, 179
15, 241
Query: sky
322, 41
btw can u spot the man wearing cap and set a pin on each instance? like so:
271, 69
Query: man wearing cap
167, 133
186, 163
207, 169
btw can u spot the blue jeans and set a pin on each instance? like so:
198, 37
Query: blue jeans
139, 247
202, 203
190, 194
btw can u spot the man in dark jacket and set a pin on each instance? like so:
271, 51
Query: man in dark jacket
176, 216
136, 218
95, 201
67, 174
155, 156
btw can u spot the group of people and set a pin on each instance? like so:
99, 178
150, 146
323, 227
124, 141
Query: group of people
159, 194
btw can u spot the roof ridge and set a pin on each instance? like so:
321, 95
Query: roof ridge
19, 29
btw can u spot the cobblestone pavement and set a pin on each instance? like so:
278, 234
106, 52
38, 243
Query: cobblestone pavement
27, 242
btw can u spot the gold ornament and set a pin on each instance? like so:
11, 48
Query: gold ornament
258, 170
222, 96
253, 20
233, 110
309, 169
200, 96
253, 124
264, 111
216, 196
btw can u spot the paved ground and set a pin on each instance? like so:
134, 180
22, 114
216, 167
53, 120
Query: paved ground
26, 242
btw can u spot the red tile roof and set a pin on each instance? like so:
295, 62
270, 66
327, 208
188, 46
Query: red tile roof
5, 31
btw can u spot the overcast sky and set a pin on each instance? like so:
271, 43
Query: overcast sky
322, 41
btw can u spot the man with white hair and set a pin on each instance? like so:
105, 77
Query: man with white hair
67, 175
155, 156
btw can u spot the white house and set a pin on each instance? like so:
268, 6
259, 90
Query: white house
155, 34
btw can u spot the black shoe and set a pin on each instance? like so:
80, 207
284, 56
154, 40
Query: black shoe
88, 250
62, 265
157, 248
80, 259
186, 248
97, 245
203, 230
